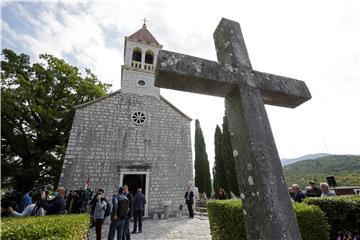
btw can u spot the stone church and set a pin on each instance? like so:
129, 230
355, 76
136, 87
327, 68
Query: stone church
133, 136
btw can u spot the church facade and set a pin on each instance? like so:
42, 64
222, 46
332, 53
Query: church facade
133, 136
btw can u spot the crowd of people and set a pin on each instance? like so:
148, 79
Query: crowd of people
34, 203
312, 190
38, 202
295, 192
124, 206
77, 200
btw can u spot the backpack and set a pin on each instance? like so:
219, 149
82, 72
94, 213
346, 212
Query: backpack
123, 207
107, 209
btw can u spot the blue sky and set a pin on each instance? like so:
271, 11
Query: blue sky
317, 42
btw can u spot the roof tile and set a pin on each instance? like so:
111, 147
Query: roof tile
144, 36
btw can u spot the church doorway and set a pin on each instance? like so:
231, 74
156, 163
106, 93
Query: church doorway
136, 179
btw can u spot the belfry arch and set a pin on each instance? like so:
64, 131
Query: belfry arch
137, 54
149, 57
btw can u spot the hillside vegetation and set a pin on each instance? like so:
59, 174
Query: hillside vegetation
345, 168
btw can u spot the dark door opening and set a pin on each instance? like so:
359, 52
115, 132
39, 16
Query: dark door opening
135, 181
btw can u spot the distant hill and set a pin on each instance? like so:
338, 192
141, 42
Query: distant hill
345, 168
287, 161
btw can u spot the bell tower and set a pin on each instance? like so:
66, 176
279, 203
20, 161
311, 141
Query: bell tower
140, 54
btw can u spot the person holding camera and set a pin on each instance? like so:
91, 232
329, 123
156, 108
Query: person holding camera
100, 208
34, 209
56, 205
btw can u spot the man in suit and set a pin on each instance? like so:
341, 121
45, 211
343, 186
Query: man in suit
189, 200
139, 207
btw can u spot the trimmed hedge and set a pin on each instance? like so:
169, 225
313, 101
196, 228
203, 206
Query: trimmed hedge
227, 221
343, 212
72, 227
312, 222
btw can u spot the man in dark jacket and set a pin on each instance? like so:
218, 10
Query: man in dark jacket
56, 205
139, 207
189, 200
314, 191
299, 195
117, 221
129, 196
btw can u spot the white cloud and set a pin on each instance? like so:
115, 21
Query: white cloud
8, 35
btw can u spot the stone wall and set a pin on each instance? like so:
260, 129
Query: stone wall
131, 77
104, 140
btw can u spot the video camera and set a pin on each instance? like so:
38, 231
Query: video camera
35, 193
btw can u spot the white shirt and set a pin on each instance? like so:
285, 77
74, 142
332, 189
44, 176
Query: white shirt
28, 210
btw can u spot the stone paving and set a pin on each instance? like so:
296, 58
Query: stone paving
168, 229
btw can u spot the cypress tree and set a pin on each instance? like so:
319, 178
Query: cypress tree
202, 171
215, 183
208, 186
228, 158
219, 168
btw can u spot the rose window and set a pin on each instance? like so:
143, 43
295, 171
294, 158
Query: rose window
138, 117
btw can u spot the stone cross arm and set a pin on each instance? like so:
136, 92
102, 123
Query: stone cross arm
191, 74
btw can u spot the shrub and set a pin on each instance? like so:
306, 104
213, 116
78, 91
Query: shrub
72, 227
227, 221
312, 222
343, 212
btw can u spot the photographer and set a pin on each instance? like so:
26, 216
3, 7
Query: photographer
56, 205
100, 208
34, 209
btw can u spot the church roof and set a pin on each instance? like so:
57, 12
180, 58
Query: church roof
144, 36
86, 104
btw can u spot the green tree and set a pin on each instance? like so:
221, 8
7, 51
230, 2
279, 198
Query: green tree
202, 171
36, 116
228, 158
219, 168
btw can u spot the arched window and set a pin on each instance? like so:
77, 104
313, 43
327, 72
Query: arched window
136, 55
149, 57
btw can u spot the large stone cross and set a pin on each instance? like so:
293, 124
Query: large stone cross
268, 210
